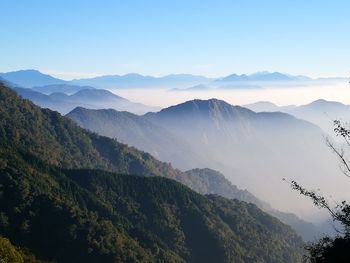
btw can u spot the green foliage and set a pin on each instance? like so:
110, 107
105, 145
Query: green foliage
97, 216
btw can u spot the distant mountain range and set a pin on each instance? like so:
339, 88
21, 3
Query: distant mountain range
320, 112
263, 76
60, 88
140, 81
30, 78
266, 106
85, 97
34, 78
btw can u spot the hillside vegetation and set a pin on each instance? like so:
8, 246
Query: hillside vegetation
58, 200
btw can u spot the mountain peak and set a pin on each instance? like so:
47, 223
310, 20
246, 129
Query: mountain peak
25, 72
263, 76
322, 103
212, 108
97, 93
29, 78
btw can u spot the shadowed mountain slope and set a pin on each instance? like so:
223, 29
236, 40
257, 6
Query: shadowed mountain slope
138, 131
256, 150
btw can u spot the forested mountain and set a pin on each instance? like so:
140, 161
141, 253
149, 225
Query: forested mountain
66, 214
138, 131
208, 181
95, 216
59, 141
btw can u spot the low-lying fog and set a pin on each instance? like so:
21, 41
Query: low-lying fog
280, 95
331, 183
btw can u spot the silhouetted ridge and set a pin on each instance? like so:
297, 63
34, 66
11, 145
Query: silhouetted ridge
202, 108
99, 94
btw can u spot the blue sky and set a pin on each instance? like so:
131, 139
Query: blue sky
157, 37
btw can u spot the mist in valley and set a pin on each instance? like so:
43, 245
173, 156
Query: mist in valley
280, 95
266, 155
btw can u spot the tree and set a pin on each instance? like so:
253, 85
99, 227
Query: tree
332, 249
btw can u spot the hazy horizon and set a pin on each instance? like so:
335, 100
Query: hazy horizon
280, 96
68, 76
280, 93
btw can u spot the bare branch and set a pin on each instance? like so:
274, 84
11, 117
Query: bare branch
318, 200
340, 154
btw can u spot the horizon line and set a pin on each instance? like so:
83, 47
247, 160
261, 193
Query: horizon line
75, 75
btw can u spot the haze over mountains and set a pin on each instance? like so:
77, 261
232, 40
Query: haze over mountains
156, 137
54, 173
34, 78
30, 78
320, 112
263, 76
139, 81
83, 97
201, 131
254, 150
156, 91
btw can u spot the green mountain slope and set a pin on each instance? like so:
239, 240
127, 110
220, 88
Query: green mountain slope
59, 141
208, 181
97, 216
66, 214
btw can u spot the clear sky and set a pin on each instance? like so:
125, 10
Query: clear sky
77, 38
